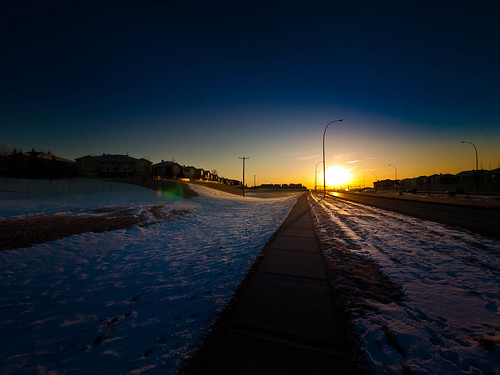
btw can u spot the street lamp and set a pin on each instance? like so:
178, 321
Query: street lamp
475, 149
324, 168
316, 175
376, 179
395, 171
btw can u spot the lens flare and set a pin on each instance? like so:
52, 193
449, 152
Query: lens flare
173, 193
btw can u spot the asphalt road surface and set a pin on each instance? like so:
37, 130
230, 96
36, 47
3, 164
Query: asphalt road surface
482, 220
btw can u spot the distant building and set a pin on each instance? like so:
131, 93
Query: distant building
172, 170
167, 169
191, 173
466, 182
208, 176
229, 182
282, 187
385, 185
113, 166
36, 164
296, 187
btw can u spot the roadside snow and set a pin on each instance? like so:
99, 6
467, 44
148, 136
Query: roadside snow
129, 301
449, 320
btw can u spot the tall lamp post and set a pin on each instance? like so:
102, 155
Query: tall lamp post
395, 171
475, 149
324, 167
316, 175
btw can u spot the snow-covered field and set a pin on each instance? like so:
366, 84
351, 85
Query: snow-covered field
138, 300
129, 301
449, 319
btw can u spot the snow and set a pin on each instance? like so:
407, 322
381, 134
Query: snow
138, 300
128, 301
20, 197
449, 320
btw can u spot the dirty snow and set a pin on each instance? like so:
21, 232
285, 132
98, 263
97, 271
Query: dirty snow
449, 320
130, 301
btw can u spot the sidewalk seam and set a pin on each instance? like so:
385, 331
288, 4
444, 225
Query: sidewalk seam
287, 342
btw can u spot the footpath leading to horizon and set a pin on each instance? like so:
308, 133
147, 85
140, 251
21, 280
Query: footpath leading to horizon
282, 319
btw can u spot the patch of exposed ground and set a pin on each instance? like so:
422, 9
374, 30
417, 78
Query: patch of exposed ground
25, 232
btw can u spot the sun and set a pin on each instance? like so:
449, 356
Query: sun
337, 176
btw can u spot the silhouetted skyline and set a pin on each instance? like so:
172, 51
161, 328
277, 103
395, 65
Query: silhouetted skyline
203, 83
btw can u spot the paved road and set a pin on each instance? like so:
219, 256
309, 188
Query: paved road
482, 220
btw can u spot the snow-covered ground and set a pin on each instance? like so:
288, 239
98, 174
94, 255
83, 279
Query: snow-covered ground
449, 319
138, 300
129, 301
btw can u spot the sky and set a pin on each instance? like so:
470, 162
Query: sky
204, 83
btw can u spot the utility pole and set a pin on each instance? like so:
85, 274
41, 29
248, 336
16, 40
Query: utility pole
254, 180
244, 158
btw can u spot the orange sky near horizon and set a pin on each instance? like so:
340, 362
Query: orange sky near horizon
368, 154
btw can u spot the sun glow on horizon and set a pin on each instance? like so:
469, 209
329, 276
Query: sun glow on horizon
337, 176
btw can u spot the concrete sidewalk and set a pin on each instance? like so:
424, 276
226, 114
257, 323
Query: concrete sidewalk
282, 319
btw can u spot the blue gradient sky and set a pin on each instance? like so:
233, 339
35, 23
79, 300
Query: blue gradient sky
204, 83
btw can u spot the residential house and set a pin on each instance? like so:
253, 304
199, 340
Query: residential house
167, 169
36, 164
191, 173
113, 166
386, 185
474, 181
